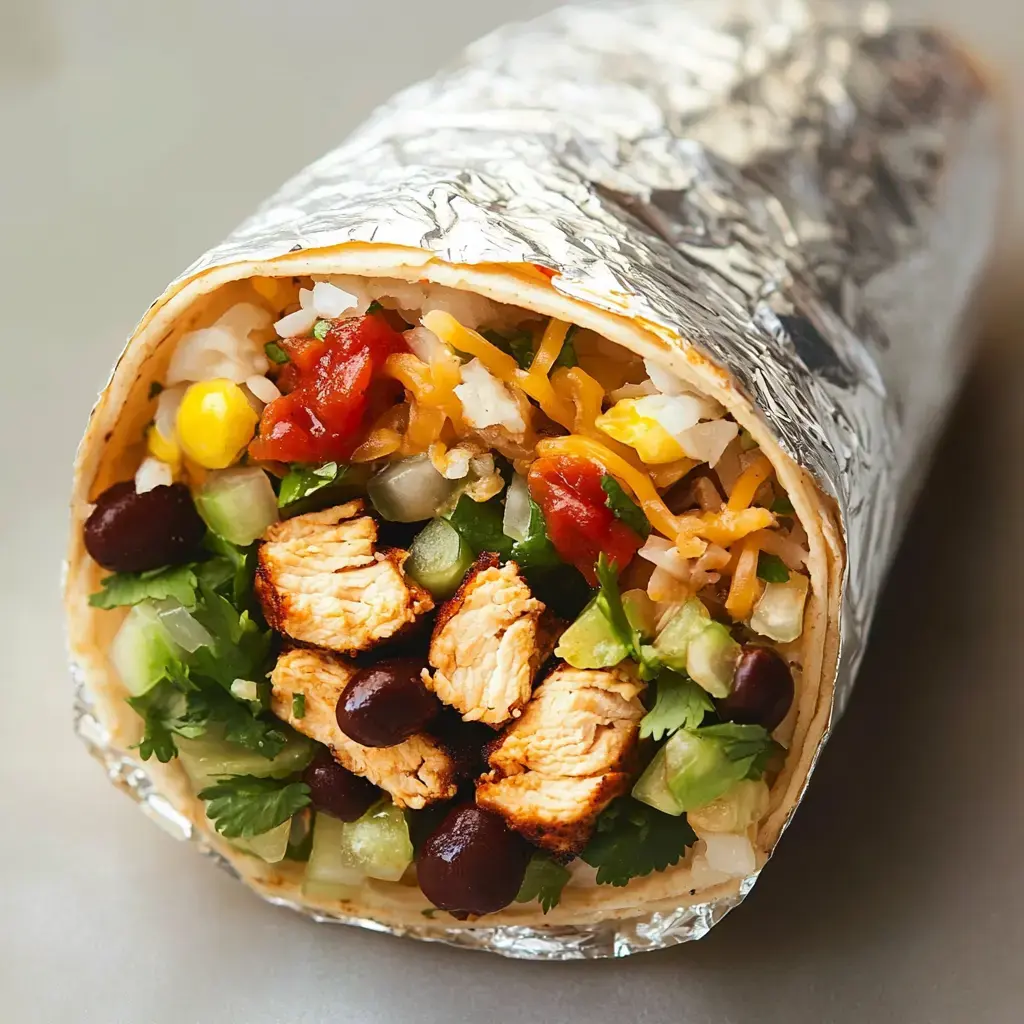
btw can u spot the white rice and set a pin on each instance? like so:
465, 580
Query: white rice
167, 405
224, 350
331, 302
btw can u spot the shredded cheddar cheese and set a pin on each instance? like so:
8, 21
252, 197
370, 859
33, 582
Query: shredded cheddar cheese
725, 527
749, 481
550, 347
378, 444
745, 588
638, 482
451, 332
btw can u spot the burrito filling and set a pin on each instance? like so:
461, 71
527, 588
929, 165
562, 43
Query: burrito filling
422, 589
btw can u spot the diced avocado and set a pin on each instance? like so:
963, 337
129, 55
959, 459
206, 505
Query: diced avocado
591, 642
439, 558
672, 642
641, 613
269, 846
652, 787
711, 659
211, 757
697, 769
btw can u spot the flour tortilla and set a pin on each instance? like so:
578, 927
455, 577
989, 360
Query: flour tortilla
111, 451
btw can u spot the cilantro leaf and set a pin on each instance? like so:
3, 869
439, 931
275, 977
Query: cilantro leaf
320, 329
535, 550
544, 881
163, 710
609, 600
212, 705
771, 568
240, 649
518, 344
479, 525
244, 805
624, 507
749, 747
632, 840
303, 481
129, 588
231, 562
782, 506
680, 704
276, 354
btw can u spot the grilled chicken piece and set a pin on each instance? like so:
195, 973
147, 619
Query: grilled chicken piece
488, 642
321, 581
556, 768
416, 772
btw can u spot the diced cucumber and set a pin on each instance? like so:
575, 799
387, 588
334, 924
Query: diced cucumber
652, 787
516, 520
410, 490
672, 642
711, 658
344, 853
591, 642
698, 769
439, 558
211, 757
143, 652
641, 612
270, 846
238, 504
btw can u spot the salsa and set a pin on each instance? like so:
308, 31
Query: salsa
579, 521
328, 387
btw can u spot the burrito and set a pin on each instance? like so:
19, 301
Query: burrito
480, 543
436, 593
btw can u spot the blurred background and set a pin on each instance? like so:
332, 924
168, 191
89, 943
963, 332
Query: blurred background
133, 135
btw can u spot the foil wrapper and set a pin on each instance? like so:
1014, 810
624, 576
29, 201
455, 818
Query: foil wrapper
806, 192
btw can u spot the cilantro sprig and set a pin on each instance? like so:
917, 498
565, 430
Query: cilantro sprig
680, 704
123, 589
243, 805
544, 881
631, 840
624, 508
771, 568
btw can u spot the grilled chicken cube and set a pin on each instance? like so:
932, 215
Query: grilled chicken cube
557, 767
416, 772
322, 581
488, 642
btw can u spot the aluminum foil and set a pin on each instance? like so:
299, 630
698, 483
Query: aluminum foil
806, 192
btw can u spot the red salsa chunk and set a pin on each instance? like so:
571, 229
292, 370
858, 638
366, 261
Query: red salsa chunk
329, 387
579, 521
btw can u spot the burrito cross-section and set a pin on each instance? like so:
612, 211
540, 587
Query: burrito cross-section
479, 544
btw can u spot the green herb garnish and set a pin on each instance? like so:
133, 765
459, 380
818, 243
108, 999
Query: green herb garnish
320, 329
632, 840
517, 344
544, 881
244, 805
123, 589
624, 508
567, 356
771, 568
304, 481
276, 354
299, 705
782, 506
680, 704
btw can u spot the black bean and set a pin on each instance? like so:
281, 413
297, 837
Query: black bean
338, 791
762, 689
473, 863
131, 532
386, 703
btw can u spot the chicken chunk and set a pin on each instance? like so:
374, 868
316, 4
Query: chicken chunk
322, 581
488, 642
416, 772
557, 767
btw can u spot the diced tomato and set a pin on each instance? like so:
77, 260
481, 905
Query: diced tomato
579, 521
328, 388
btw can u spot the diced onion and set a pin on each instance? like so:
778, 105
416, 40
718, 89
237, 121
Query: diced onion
152, 473
331, 302
297, 324
181, 627
664, 554
706, 442
409, 491
664, 380
779, 613
244, 689
517, 509
166, 417
486, 402
632, 391
263, 388
731, 854
424, 344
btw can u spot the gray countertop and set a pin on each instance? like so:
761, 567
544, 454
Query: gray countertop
131, 140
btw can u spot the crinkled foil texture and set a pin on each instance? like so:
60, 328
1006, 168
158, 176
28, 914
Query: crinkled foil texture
806, 193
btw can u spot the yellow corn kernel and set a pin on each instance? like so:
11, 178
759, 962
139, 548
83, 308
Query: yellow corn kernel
215, 423
654, 444
160, 448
